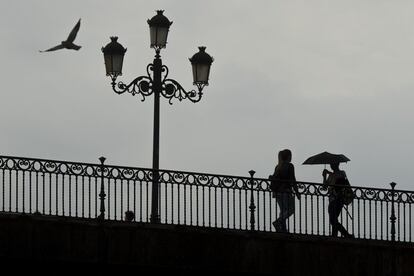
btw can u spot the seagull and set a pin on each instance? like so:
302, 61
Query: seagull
68, 43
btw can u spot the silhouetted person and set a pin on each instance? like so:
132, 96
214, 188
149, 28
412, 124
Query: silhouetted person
283, 181
129, 216
336, 200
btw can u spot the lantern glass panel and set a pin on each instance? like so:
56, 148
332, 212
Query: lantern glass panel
108, 64
158, 36
117, 61
201, 73
113, 65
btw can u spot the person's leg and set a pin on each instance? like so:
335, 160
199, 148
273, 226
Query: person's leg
343, 231
291, 204
333, 217
335, 208
276, 223
282, 201
277, 208
341, 228
290, 208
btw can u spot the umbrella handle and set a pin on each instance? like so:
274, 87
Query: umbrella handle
346, 209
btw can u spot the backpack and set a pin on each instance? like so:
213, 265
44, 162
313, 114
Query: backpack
345, 193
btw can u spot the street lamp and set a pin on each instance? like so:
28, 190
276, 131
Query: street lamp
157, 83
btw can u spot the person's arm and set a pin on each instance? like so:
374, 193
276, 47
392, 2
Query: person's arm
272, 179
293, 178
273, 176
326, 174
274, 171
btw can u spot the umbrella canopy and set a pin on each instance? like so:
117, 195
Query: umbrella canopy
326, 158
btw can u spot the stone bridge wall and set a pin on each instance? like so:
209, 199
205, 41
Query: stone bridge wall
38, 239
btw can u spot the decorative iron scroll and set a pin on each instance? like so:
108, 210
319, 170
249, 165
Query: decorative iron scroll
144, 86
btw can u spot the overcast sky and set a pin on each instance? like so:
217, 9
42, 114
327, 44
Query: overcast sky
305, 75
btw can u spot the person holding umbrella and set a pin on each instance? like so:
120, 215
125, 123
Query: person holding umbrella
336, 201
283, 181
333, 179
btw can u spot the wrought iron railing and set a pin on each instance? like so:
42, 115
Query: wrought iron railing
99, 191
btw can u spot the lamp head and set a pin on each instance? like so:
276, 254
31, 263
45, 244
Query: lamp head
201, 63
114, 57
159, 26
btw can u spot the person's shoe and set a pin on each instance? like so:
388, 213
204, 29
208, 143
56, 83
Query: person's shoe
279, 226
350, 236
283, 229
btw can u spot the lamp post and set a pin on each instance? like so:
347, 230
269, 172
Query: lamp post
157, 82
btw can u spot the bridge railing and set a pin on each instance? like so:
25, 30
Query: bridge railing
92, 191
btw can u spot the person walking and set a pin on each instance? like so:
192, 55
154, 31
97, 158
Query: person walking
283, 183
336, 198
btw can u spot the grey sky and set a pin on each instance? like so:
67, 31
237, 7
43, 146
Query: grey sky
305, 75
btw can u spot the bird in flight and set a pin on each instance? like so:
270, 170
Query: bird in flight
68, 43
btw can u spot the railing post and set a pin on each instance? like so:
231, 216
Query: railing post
393, 219
252, 207
102, 194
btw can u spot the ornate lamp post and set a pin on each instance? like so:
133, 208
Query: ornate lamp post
157, 82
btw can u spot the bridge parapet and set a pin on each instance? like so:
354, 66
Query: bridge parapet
84, 190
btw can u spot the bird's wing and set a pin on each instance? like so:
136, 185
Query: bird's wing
76, 47
58, 47
74, 32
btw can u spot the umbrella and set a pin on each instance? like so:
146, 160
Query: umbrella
326, 158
